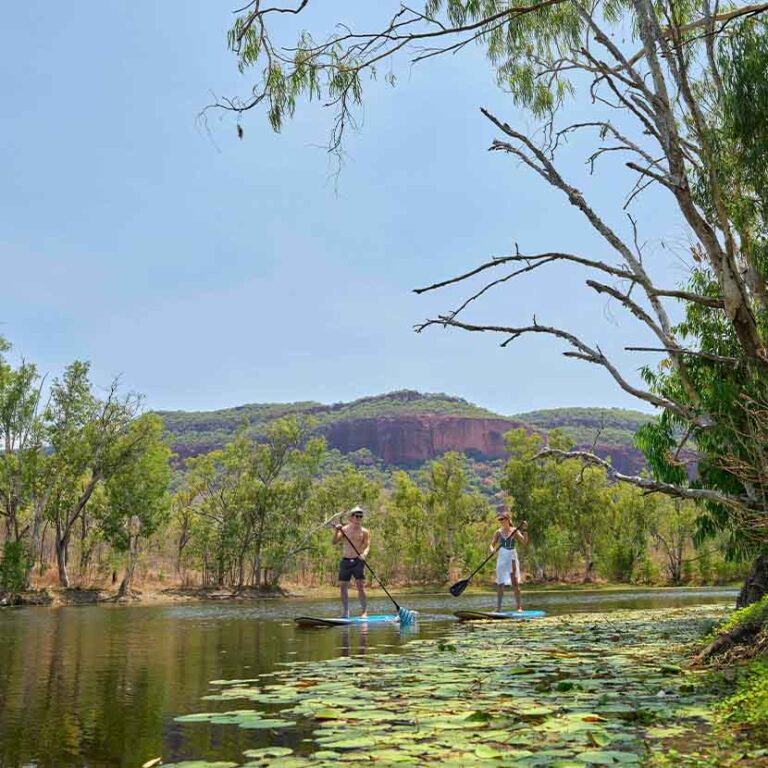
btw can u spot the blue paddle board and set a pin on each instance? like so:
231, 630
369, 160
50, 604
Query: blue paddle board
499, 615
314, 621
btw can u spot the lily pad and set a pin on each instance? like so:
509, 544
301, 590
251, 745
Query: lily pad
200, 764
360, 742
608, 757
265, 724
328, 713
268, 752
573, 697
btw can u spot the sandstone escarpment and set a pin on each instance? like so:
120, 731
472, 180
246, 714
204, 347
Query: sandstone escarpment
418, 438
404, 440
407, 428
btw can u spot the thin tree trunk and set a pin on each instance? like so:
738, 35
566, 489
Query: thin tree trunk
133, 558
62, 544
36, 544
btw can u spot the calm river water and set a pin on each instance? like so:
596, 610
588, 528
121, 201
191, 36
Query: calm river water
100, 686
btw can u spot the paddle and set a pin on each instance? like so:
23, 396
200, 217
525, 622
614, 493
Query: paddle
406, 617
460, 586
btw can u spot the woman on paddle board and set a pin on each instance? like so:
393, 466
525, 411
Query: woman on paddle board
351, 563
507, 562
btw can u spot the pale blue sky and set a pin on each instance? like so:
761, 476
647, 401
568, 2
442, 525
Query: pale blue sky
210, 272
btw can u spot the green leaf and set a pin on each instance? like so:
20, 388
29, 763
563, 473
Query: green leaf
608, 757
484, 752
268, 752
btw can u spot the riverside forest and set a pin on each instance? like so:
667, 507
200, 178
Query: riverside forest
96, 493
201, 569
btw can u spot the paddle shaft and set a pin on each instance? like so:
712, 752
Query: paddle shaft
469, 578
365, 563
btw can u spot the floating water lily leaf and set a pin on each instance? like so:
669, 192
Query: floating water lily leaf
387, 756
200, 764
479, 717
485, 752
360, 742
533, 712
234, 682
575, 696
376, 715
201, 717
608, 757
599, 738
664, 732
269, 752
254, 724
327, 713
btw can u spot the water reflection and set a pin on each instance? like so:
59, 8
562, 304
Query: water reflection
100, 686
358, 634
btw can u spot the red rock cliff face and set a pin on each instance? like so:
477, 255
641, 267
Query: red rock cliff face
418, 438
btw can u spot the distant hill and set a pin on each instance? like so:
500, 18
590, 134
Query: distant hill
195, 432
614, 426
407, 428
610, 430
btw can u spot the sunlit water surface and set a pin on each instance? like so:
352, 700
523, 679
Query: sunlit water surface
100, 686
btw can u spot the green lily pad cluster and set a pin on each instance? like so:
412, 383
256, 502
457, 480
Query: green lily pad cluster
563, 692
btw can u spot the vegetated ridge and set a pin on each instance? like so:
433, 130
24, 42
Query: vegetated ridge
407, 428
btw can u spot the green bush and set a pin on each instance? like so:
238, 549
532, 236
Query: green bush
749, 705
728, 571
647, 572
704, 567
13, 567
617, 562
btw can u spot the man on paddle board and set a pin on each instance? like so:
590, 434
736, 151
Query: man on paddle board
351, 563
507, 562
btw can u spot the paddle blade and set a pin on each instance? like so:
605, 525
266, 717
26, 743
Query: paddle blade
459, 587
407, 618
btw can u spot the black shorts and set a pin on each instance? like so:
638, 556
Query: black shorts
351, 566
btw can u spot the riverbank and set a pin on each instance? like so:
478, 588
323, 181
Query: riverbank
159, 595
55, 597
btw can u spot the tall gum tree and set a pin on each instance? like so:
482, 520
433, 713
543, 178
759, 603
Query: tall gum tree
679, 98
139, 504
90, 439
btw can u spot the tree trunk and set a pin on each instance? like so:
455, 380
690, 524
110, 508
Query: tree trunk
756, 583
133, 557
36, 545
62, 545
85, 550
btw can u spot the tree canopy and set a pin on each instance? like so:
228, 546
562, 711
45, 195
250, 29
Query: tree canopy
677, 95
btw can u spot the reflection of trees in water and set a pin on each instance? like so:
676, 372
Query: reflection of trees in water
99, 686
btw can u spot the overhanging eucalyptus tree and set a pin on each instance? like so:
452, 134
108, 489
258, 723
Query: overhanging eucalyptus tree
678, 92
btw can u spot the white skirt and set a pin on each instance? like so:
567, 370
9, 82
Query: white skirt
506, 561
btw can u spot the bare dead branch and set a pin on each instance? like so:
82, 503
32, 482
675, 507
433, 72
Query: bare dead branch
654, 486
583, 352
